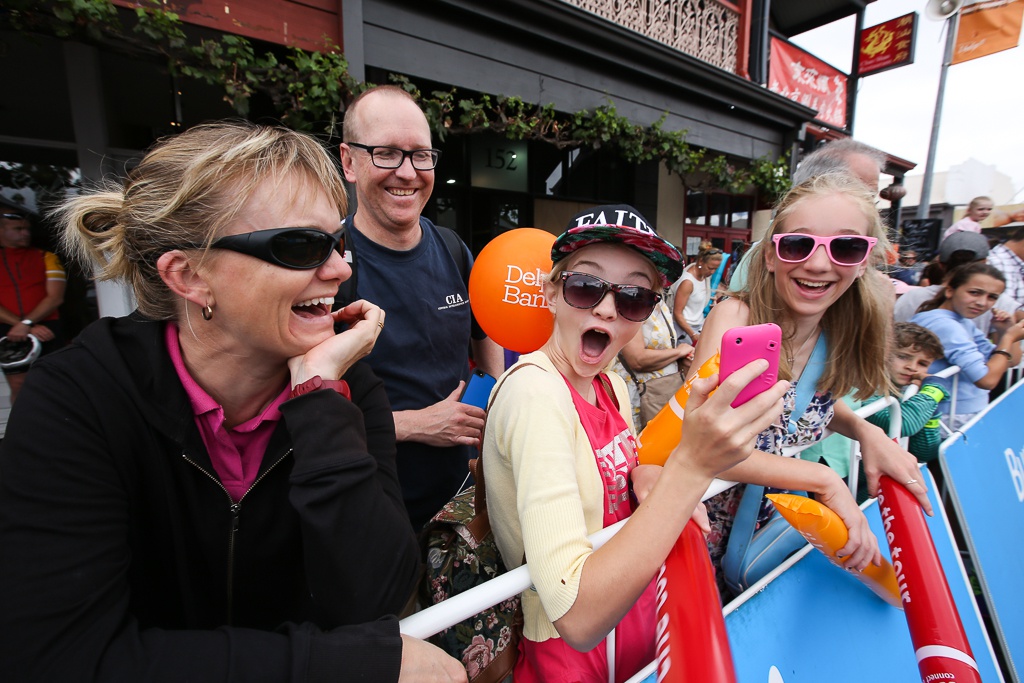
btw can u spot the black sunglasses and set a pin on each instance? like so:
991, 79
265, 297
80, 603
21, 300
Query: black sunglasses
14, 216
582, 290
297, 248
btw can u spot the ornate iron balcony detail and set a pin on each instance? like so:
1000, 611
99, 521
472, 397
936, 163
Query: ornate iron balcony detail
704, 29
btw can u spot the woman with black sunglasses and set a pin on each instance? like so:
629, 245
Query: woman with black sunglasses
560, 456
813, 274
206, 490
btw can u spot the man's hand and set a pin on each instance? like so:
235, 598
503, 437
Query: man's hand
446, 423
19, 332
42, 333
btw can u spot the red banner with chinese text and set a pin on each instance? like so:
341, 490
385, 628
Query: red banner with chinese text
887, 45
802, 77
987, 28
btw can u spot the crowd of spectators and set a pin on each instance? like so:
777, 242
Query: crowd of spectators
228, 483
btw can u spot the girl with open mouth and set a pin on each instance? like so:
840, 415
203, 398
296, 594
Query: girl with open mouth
560, 456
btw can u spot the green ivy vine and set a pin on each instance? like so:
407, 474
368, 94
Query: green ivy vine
310, 90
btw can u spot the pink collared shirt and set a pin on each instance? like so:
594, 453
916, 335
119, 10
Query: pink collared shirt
236, 453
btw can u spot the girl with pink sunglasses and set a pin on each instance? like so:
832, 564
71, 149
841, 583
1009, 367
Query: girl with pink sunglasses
813, 275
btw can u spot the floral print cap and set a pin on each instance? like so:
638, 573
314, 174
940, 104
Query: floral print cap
624, 224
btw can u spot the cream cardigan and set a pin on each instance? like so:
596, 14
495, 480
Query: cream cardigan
544, 492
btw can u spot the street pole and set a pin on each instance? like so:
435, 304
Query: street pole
924, 204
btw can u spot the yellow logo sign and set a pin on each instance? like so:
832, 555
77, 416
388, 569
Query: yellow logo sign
878, 41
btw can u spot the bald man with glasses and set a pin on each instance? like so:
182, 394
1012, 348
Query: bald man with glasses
418, 273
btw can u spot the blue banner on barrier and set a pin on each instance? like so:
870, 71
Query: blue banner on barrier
816, 623
985, 475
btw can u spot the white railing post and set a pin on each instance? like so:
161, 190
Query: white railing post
952, 371
435, 618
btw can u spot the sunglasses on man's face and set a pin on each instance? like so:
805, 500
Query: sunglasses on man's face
582, 290
842, 250
296, 248
14, 216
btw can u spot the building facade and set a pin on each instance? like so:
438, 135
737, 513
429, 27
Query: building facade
700, 66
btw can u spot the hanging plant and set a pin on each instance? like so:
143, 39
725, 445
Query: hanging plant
310, 90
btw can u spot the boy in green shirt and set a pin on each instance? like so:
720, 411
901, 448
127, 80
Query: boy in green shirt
914, 348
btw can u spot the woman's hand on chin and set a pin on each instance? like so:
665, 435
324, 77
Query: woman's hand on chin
717, 436
333, 357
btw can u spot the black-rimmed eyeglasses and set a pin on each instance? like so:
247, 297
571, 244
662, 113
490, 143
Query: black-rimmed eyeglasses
393, 157
295, 248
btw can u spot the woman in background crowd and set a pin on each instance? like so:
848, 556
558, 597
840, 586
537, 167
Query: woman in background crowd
654, 352
692, 292
971, 290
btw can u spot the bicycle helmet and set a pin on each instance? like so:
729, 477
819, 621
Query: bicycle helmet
19, 354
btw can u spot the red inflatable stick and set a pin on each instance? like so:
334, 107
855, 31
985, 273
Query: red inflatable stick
943, 653
692, 643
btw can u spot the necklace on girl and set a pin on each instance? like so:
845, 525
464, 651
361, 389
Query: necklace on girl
792, 358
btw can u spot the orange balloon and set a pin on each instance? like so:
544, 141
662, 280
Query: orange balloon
506, 289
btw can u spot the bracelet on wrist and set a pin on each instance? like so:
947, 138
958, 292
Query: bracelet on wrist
1001, 352
28, 322
316, 382
935, 392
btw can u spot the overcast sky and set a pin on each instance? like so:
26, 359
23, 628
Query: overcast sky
982, 108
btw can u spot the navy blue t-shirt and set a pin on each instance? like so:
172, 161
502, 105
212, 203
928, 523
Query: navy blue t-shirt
422, 353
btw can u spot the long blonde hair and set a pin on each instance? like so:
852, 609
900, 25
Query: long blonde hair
857, 325
184, 192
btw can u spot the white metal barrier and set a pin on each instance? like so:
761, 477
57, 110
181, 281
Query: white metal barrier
438, 617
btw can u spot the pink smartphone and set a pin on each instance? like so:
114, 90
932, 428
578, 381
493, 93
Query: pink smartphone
741, 345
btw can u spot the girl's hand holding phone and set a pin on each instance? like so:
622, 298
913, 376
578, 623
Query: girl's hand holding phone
717, 437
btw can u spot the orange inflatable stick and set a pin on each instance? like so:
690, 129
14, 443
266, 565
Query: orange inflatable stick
661, 435
824, 529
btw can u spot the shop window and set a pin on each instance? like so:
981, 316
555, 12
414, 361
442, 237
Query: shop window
585, 174
719, 209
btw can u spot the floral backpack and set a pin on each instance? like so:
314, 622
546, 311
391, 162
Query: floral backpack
461, 553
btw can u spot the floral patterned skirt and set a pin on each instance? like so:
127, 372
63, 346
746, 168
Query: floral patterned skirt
722, 513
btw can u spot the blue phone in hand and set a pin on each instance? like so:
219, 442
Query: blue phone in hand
478, 389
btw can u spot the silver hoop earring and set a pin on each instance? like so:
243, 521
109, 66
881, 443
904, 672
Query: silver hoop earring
208, 312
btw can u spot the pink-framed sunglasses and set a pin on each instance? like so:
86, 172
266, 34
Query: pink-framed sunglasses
842, 250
